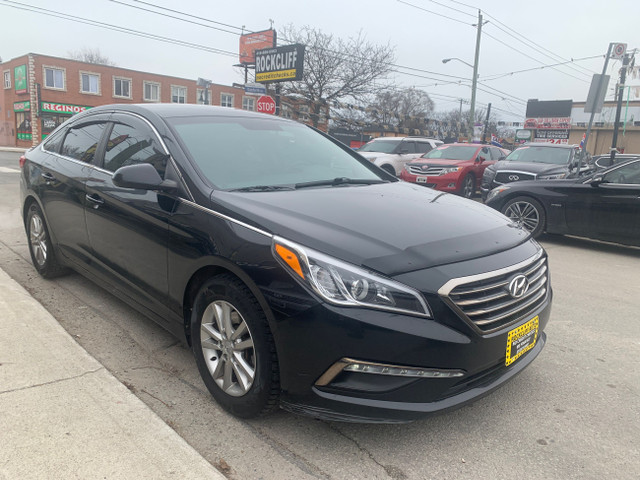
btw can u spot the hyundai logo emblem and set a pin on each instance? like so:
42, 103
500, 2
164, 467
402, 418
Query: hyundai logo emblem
514, 178
518, 286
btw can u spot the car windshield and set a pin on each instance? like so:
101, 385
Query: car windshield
541, 154
381, 146
452, 152
242, 152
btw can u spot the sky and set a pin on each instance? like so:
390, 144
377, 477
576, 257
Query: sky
518, 36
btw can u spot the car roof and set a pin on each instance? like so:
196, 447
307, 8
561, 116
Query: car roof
548, 145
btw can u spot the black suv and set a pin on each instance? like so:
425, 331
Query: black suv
533, 161
301, 275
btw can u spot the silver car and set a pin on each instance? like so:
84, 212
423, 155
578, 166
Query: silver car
391, 153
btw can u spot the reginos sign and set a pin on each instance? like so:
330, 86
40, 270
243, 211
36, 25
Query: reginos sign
279, 64
62, 108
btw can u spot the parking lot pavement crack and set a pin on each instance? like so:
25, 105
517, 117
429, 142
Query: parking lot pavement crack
52, 382
392, 471
290, 456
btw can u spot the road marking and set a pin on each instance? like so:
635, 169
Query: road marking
9, 170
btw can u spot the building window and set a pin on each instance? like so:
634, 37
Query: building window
90, 83
121, 87
7, 79
249, 103
226, 100
204, 96
54, 78
151, 92
178, 94
286, 110
304, 113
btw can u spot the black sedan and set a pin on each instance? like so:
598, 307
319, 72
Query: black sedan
301, 275
605, 205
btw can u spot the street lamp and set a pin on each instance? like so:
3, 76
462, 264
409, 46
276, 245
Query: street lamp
446, 60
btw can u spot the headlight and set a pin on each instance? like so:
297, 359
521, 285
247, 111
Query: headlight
496, 191
343, 284
552, 177
450, 170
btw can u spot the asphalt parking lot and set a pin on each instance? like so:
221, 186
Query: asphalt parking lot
574, 414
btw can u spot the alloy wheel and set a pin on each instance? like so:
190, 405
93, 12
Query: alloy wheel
228, 348
38, 239
524, 214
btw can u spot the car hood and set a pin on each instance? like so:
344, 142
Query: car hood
536, 168
392, 228
440, 161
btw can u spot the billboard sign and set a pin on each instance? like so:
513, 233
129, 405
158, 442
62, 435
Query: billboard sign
279, 64
548, 122
251, 42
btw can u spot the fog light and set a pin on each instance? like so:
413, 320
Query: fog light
350, 365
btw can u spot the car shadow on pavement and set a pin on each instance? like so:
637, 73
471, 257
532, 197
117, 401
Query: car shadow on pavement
590, 244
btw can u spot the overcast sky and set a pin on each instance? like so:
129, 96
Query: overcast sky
562, 30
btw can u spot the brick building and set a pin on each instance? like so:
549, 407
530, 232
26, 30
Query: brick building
39, 92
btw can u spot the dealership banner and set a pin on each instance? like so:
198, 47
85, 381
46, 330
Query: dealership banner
279, 64
51, 107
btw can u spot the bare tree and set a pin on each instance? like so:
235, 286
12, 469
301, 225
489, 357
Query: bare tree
91, 55
407, 107
336, 69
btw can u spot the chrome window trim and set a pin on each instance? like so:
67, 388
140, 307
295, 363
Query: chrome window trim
226, 217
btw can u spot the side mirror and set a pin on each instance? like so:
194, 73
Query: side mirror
480, 158
142, 176
597, 180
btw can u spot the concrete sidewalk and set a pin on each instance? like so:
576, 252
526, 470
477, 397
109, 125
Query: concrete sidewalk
63, 415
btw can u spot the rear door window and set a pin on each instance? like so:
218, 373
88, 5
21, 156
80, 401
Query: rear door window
81, 142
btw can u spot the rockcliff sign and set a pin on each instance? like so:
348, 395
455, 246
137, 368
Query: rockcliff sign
279, 64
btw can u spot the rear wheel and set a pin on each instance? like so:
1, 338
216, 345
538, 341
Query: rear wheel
526, 212
468, 188
234, 348
40, 246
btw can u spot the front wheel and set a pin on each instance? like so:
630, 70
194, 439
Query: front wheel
527, 212
234, 348
468, 188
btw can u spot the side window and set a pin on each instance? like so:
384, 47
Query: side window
496, 154
407, 147
131, 143
53, 142
423, 147
82, 142
629, 174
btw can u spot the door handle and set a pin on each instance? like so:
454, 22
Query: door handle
95, 200
47, 176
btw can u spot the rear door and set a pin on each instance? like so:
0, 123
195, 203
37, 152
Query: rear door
128, 228
60, 183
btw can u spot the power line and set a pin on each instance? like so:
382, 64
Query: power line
107, 26
500, 75
432, 12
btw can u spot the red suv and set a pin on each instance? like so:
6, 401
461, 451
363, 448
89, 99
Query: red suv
454, 167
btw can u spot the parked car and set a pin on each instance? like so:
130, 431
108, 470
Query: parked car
455, 168
534, 161
604, 205
279, 256
391, 153
600, 162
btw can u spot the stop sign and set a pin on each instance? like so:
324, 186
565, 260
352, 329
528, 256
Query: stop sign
266, 104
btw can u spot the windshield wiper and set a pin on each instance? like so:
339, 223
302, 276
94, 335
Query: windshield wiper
262, 188
340, 181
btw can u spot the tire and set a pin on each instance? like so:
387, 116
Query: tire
40, 247
240, 368
468, 188
528, 213
389, 169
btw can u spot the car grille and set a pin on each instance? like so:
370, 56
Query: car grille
424, 169
484, 300
506, 177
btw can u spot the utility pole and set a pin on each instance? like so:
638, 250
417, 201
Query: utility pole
616, 125
474, 81
486, 124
